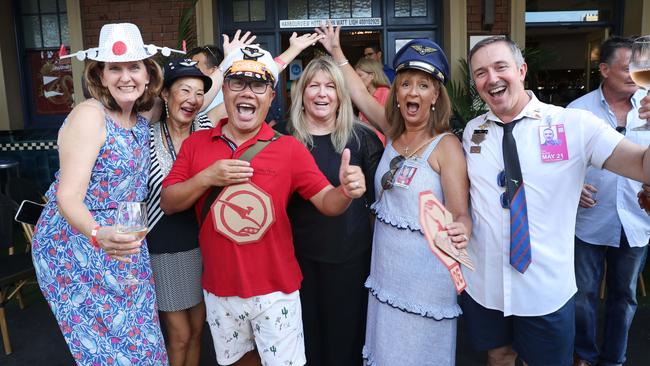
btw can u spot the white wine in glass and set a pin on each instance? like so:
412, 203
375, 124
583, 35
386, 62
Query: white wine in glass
640, 69
132, 219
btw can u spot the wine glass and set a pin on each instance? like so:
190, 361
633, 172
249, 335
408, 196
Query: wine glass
640, 69
132, 219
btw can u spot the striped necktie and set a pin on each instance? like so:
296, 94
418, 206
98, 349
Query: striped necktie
520, 250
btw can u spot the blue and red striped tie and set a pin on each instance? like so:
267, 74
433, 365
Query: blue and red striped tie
520, 251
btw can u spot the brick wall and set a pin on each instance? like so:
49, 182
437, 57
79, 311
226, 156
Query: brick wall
475, 18
157, 20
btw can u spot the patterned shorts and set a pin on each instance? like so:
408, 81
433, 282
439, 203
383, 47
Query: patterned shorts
273, 322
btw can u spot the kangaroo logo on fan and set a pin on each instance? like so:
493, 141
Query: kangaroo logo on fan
243, 213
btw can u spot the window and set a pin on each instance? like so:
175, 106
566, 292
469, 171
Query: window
44, 24
330, 9
410, 8
42, 27
249, 11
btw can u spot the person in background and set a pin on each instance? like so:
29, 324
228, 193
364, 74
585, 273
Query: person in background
333, 252
173, 239
373, 77
610, 227
78, 254
251, 276
520, 297
412, 306
373, 52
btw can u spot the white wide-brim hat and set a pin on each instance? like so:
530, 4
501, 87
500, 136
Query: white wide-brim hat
120, 42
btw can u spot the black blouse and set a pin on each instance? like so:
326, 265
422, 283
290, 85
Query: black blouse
340, 238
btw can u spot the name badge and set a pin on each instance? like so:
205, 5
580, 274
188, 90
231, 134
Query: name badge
405, 175
478, 136
553, 143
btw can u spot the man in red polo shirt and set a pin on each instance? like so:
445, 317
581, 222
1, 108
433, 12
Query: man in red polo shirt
251, 277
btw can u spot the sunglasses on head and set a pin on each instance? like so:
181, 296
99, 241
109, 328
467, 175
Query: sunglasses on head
388, 179
212, 53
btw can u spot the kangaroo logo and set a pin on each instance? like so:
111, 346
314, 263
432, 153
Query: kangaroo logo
243, 213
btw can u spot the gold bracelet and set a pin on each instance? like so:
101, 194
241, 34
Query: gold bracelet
343, 63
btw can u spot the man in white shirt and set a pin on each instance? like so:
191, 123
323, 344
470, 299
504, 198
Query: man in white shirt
525, 306
610, 226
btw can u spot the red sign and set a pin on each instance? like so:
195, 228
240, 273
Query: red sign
52, 85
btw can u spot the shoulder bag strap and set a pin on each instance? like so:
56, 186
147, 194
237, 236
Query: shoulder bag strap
248, 155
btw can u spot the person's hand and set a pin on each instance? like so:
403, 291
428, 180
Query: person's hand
458, 234
303, 41
117, 245
226, 172
586, 197
330, 37
644, 198
352, 179
644, 111
237, 41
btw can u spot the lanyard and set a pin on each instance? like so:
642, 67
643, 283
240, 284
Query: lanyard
170, 143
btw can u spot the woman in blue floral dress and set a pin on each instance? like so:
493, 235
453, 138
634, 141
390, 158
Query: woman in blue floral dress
78, 255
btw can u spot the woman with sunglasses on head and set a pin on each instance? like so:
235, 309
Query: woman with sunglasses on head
412, 308
333, 252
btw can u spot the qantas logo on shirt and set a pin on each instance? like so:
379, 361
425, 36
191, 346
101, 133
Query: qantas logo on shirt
243, 213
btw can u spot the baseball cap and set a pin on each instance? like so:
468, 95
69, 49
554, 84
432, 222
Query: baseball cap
251, 62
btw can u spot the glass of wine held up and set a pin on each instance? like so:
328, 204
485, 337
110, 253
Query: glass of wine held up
132, 219
640, 69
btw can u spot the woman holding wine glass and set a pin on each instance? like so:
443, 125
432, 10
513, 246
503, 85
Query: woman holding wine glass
80, 253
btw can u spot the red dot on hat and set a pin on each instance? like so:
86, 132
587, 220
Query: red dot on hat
119, 48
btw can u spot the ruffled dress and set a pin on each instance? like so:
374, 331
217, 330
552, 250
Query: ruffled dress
103, 321
412, 307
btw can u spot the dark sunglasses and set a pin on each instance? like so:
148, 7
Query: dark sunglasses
620, 129
501, 181
388, 179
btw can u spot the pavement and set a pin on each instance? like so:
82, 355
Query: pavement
36, 339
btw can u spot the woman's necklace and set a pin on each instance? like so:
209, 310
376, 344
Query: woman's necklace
168, 138
425, 143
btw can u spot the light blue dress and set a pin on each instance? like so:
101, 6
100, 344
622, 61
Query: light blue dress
103, 321
412, 306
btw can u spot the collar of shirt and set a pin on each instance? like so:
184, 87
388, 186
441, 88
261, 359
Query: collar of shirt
533, 109
635, 99
264, 134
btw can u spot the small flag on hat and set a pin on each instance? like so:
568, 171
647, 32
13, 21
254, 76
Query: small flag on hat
62, 51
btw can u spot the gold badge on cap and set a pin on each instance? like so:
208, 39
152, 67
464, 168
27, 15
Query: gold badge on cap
243, 213
423, 50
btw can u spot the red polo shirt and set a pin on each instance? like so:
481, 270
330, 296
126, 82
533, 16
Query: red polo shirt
283, 167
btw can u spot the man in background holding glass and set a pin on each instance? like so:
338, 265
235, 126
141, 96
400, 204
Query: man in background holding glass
610, 225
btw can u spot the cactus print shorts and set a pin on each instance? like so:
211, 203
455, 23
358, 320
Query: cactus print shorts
272, 322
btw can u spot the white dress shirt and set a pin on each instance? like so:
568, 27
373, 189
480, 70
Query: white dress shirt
617, 205
552, 195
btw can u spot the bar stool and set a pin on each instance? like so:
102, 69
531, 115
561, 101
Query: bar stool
6, 167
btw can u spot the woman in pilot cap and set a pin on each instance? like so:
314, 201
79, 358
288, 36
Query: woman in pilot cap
79, 257
412, 308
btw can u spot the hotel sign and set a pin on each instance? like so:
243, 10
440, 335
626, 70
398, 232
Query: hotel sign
346, 22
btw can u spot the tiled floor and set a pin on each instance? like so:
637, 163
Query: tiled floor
36, 339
